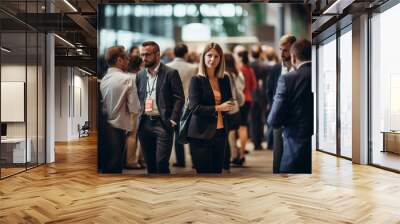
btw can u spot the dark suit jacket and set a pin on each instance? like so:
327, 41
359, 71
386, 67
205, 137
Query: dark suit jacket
293, 109
203, 123
274, 72
169, 94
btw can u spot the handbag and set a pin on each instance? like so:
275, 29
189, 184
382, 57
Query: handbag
184, 124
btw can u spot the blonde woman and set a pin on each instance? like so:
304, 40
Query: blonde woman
210, 99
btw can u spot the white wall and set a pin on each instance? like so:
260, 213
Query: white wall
33, 126
61, 103
71, 94
17, 73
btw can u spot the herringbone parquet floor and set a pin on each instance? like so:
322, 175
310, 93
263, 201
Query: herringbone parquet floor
71, 191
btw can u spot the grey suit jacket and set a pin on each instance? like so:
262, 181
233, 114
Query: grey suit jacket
186, 72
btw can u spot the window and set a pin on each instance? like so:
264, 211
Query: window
22, 77
346, 94
327, 96
385, 89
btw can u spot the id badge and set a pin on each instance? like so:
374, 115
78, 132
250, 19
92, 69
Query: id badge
148, 105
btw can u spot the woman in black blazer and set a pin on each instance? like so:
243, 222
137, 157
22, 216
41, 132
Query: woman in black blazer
210, 96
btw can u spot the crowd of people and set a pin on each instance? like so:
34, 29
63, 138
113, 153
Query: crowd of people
232, 97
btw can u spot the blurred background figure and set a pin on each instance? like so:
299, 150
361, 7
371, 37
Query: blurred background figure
193, 57
269, 55
134, 156
134, 51
135, 65
167, 56
237, 87
186, 72
250, 86
259, 98
236, 50
270, 59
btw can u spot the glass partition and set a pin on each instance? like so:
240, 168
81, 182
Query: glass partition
327, 96
346, 94
14, 144
41, 107
22, 62
385, 89
31, 97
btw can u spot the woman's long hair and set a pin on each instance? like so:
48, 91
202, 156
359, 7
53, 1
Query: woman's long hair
244, 57
230, 64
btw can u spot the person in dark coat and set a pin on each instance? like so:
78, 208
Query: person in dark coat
161, 96
278, 70
210, 98
293, 109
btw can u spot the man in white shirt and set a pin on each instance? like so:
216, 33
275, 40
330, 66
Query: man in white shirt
186, 72
120, 105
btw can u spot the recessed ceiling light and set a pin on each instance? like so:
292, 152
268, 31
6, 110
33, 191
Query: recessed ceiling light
64, 40
84, 71
337, 7
70, 5
5, 50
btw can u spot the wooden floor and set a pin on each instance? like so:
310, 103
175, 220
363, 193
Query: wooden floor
387, 159
71, 191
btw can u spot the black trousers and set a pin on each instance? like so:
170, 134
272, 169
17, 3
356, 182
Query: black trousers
227, 157
156, 142
257, 124
114, 151
278, 149
270, 137
208, 155
179, 152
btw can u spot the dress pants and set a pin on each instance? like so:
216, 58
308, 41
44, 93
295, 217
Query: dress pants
179, 152
278, 149
156, 142
208, 155
270, 137
132, 145
257, 124
296, 156
113, 160
227, 157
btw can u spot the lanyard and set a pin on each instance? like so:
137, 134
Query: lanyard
150, 90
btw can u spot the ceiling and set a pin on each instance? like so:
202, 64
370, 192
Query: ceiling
76, 20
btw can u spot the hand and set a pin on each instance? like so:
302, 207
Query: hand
268, 107
226, 106
260, 83
173, 123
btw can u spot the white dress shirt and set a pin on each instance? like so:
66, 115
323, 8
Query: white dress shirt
151, 89
120, 98
285, 70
